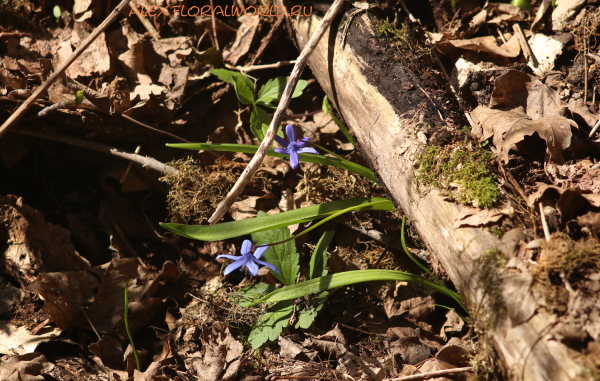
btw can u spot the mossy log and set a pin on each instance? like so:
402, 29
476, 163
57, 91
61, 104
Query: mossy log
392, 113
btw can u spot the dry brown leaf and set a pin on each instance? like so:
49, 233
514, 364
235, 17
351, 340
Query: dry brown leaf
221, 357
19, 340
478, 217
522, 106
94, 60
453, 325
570, 203
454, 354
243, 40
486, 44
34, 245
110, 351
590, 221
28, 367
410, 349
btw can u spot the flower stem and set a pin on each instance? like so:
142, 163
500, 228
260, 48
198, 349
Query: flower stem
137, 360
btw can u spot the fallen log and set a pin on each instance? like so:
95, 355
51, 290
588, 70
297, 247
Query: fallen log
391, 111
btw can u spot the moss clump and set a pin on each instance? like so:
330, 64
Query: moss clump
327, 184
486, 364
467, 175
195, 192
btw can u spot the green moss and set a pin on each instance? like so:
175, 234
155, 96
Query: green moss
485, 312
467, 176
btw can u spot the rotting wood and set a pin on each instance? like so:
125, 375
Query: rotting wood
388, 118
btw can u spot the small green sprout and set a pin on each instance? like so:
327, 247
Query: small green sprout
137, 360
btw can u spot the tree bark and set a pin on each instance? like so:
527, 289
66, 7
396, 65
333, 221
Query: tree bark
391, 113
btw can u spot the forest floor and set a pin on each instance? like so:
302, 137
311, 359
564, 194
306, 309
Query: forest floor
78, 227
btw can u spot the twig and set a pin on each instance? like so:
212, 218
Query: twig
122, 180
585, 72
544, 223
595, 128
263, 67
525, 45
147, 24
40, 90
214, 25
158, 131
238, 187
372, 233
59, 291
501, 35
144, 161
432, 102
426, 375
405, 9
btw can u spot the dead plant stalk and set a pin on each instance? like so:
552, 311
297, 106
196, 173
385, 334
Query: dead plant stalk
301, 62
40, 90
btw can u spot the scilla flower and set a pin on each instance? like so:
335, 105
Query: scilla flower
248, 260
294, 147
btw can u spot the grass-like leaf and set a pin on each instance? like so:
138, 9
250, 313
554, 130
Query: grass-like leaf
232, 229
318, 261
284, 256
309, 158
329, 282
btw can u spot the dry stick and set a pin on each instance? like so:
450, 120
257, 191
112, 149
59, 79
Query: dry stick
214, 25
525, 45
585, 73
144, 161
275, 65
147, 24
40, 90
158, 131
238, 188
424, 376
544, 223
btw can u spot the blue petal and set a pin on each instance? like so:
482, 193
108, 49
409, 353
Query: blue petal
246, 247
282, 150
294, 159
291, 133
281, 141
234, 266
252, 267
260, 251
308, 150
269, 265
233, 257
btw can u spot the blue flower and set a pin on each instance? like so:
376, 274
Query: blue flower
247, 259
294, 147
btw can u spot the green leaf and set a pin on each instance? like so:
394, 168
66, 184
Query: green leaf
347, 278
249, 294
327, 110
259, 122
318, 261
306, 157
283, 256
245, 90
244, 87
232, 229
272, 91
271, 324
307, 317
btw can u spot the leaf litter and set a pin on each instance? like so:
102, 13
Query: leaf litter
164, 82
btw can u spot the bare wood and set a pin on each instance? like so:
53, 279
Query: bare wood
40, 90
426, 375
544, 223
386, 123
144, 161
238, 187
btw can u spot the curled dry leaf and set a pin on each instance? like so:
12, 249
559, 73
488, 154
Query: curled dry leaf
19, 340
571, 202
28, 367
474, 217
65, 293
34, 245
487, 44
521, 106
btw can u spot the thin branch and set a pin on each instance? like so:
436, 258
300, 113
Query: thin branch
245, 69
40, 90
238, 188
144, 161
544, 223
424, 376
